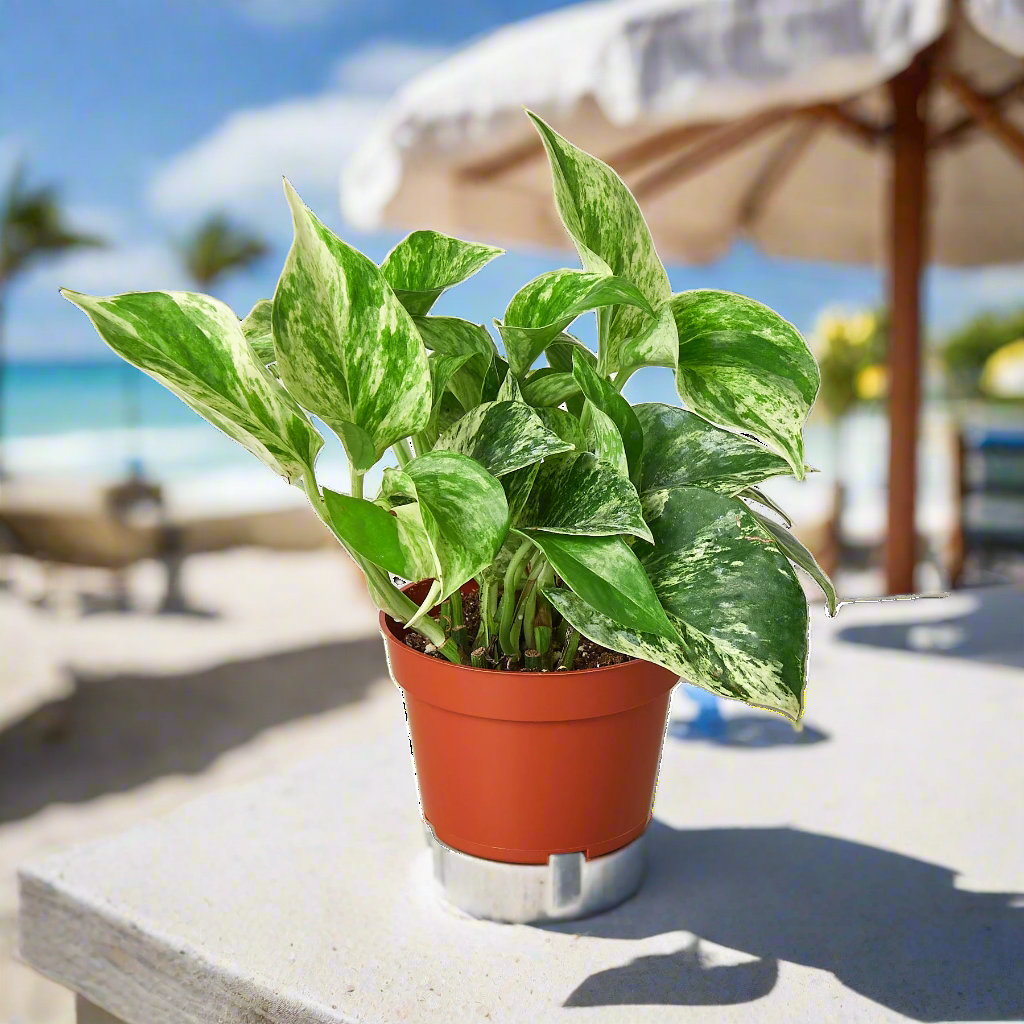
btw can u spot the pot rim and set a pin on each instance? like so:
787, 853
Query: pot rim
388, 626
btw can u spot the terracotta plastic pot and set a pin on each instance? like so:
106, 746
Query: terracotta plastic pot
516, 766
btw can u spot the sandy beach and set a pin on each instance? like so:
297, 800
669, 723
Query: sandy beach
119, 717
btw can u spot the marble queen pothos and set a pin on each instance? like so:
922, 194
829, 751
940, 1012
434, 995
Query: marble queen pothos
639, 527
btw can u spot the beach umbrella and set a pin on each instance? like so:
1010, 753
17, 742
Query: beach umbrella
882, 132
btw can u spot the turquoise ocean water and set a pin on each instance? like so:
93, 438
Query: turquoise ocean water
92, 420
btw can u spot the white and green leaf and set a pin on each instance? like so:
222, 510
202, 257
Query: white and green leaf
194, 346
744, 367
259, 332
604, 396
605, 441
346, 347
548, 387
682, 449
605, 222
452, 336
502, 437
605, 573
657, 344
755, 494
541, 310
427, 263
581, 495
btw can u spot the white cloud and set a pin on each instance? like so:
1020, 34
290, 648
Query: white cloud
382, 66
139, 266
238, 166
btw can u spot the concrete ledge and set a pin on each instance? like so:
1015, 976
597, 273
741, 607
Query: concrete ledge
817, 880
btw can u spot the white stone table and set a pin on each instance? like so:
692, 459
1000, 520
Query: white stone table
873, 875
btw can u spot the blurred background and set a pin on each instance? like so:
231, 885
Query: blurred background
157, 582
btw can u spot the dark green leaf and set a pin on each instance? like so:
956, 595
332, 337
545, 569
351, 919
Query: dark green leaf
756, 494
683, 449
547, 387
581, 495
796, 552
607, 575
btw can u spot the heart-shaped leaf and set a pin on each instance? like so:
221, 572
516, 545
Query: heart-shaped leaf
656, 345
194, 346
502, 437
346, 347
564, 424
396, 542
545, 306
616, 408
548, 387
559, 353
604, 221
606, 574
742, 366
451, 336
683, 449
795, 551
605, 441
578, 494
259, 331
463, 510
427, 263
442, 369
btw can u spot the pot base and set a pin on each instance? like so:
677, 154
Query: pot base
567, 887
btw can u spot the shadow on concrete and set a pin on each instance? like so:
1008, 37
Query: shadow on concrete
113, 733
752, 732
990, 633
890, 927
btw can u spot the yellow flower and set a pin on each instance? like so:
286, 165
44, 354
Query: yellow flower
1003, 375
860, 328
872, 382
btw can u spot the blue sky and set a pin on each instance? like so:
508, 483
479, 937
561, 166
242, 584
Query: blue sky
149, 113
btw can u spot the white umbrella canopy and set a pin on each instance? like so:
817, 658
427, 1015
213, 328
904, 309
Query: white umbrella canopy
647, 86
854, 131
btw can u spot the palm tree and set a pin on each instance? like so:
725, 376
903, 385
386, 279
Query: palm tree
32, 229
216, 247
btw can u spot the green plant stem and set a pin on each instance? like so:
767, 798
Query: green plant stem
459, 632
569, 654
508, 599
604, 319
357, 482
401, 450
483, 633
386, 595
419, 444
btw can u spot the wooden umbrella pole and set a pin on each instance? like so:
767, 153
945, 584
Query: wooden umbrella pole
907, 245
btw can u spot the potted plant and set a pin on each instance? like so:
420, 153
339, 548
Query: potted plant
568, 556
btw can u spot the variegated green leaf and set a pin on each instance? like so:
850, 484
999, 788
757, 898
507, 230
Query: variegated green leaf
398, 543
426, 263
607, 575
518, 485
564, 424
548, 387
739, 608
579, 494
605, 441
560, 351
509, 390
683, 449
463, 510
604, 221
346, 347
442, 369
502, 437
749, 494
451, 336
194, 346
616, 408
795, 551
495, 376
545, 306
743, 367
259, 331
656, 345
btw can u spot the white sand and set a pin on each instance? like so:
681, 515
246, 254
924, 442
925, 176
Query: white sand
166, 708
